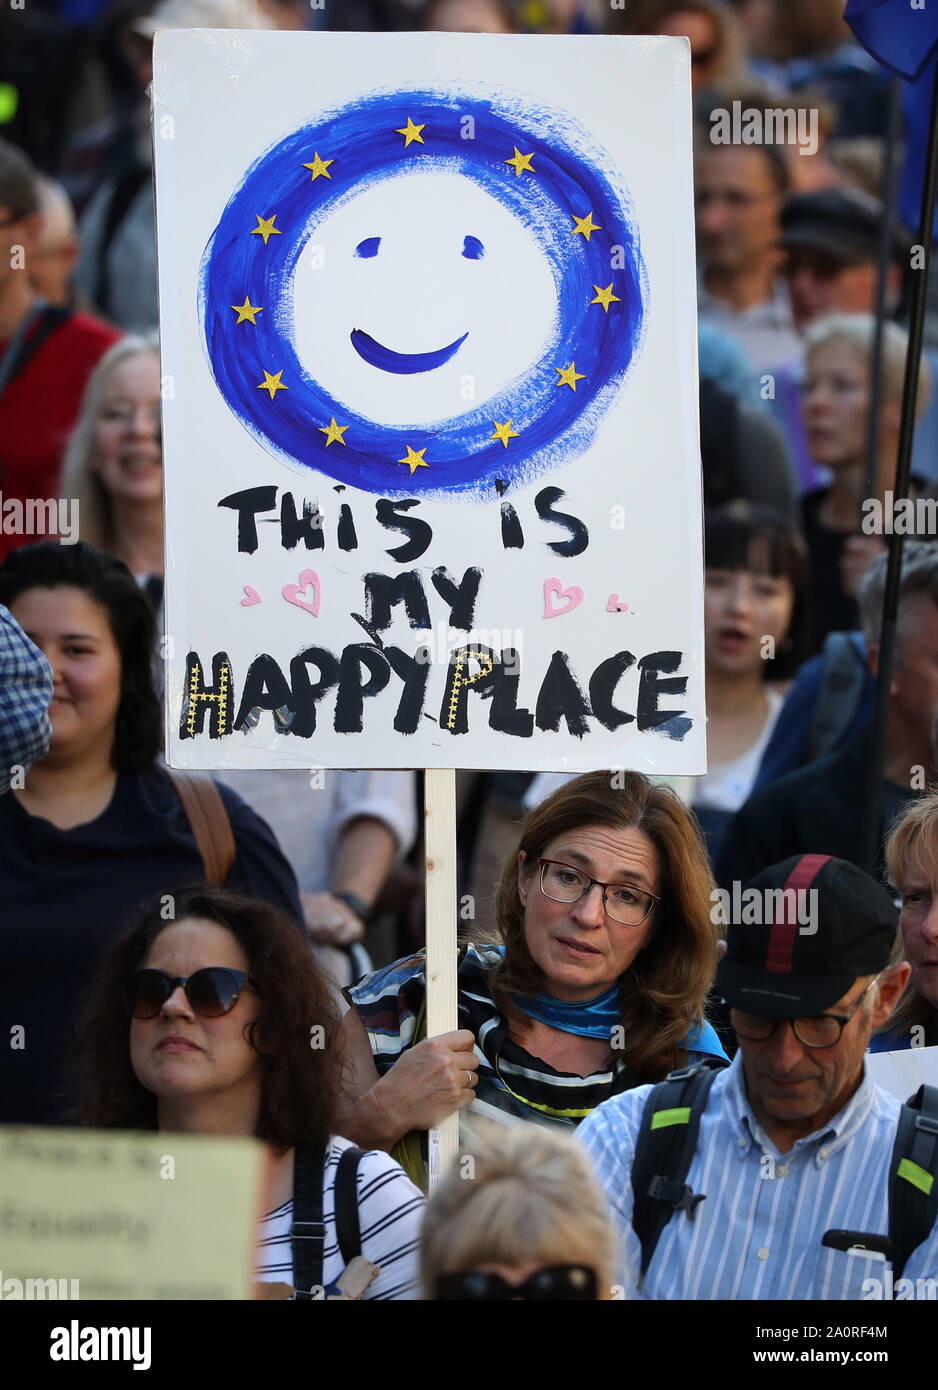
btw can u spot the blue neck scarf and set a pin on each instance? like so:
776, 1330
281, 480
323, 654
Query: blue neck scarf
591, 1018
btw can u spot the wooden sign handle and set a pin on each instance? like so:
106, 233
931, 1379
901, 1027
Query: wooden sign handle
440, 838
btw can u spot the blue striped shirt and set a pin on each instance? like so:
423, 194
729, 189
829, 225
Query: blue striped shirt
25, 692
758, 1234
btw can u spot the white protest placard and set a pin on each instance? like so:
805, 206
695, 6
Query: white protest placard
428, 323
901, 1073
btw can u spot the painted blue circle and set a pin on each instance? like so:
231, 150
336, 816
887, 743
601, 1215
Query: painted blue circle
566, 183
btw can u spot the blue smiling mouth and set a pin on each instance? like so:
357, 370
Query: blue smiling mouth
403, 363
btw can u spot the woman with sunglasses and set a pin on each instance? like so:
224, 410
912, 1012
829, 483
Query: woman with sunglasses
607, 952
218, 1021
96, 826
531, 1223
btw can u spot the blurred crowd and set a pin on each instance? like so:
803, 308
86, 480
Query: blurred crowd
93, 826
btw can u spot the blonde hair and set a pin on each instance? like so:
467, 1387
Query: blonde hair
529, 1195
79, 479
913, 838
857, 331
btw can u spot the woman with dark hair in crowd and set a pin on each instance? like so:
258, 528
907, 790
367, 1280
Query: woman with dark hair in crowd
217, 1021
96, 826
604, 911
755, 598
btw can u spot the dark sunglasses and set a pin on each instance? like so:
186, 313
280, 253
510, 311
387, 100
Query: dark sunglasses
212, 991
557, 1281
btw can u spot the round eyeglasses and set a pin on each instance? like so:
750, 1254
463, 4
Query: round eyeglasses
818, 1030
562, 883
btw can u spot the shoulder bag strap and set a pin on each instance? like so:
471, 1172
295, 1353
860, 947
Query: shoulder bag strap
308, 1232
209, 822
347, 1224
27, 340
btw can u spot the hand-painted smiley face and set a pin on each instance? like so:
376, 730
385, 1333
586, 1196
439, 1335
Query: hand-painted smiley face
420, 298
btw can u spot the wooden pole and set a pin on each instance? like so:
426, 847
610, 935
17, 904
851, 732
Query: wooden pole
440, 837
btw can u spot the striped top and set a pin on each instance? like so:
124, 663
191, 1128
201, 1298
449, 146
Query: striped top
758, 1234
390, 1000
390, 1212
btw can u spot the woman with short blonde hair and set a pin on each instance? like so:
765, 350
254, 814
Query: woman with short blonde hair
521, 1216
912, 859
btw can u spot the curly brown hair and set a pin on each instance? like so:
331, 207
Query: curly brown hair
299, 1077
663, 992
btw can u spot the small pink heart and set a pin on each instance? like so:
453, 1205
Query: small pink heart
615, 605
554, 589
292, 592
251, 596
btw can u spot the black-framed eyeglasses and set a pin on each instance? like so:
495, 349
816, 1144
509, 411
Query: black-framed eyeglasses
577, 1282
562, 883
211, 992
818, 1030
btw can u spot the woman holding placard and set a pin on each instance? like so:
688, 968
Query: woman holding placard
603, 910
217, 1021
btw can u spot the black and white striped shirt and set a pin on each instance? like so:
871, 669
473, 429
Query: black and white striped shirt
390, 1213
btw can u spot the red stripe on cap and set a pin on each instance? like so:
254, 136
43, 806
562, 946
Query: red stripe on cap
782, 936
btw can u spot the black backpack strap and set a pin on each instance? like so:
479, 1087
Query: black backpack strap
666, 1143
347, 1225
308, 1232
913, 1176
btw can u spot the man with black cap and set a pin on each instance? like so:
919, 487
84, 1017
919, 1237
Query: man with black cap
795, 1139
830, 243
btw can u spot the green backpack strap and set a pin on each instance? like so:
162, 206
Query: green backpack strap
913, 1170
666, 1143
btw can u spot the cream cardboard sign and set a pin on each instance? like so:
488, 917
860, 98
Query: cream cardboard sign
428, 326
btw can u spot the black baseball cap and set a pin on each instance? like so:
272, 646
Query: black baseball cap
774, 967
842, 222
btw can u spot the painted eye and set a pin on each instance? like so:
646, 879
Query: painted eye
368, 248
473, 249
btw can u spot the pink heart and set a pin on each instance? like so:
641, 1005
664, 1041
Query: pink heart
251, 596
553, 588
615, 605
292, 592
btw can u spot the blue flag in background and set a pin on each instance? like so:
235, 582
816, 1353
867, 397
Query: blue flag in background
904, 39
896, 34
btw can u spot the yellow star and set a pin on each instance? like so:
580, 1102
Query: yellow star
273, 384
415, 460
605, 297
246, 311
520, 161
319, 166
265, 227
569, 376
334, 433
585, 225
503, 432
411, 133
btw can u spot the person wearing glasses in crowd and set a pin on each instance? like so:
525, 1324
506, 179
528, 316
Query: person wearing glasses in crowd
96, 826
912, 857
207, 1023
607, 952
529, 1222
807, 983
